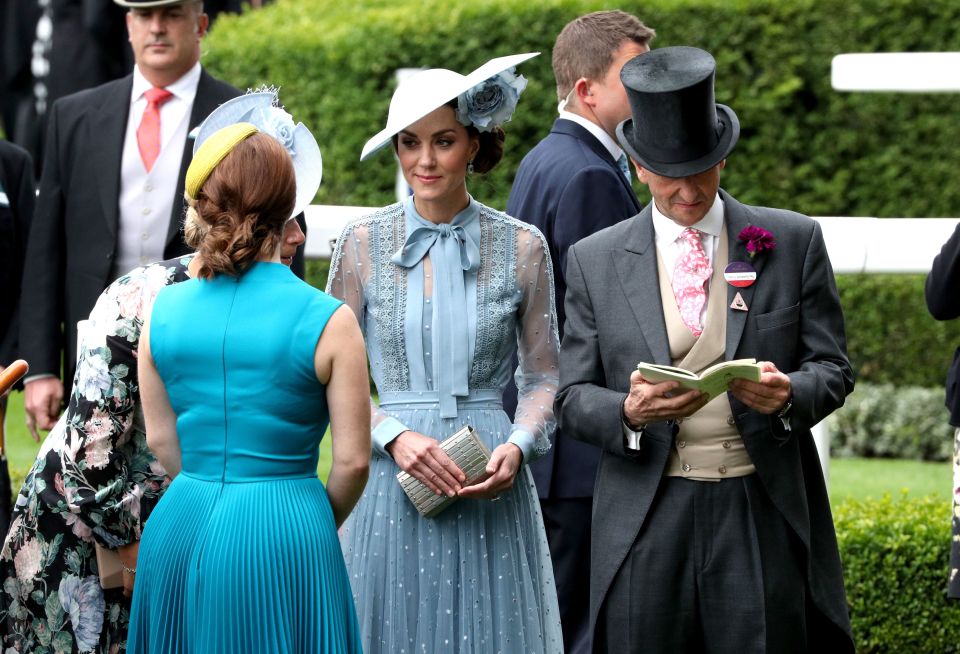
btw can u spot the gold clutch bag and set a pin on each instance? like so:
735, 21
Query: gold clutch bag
109, 566
469, 453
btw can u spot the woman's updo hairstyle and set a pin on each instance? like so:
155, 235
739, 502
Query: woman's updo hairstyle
491, 149
241, 208
491, 145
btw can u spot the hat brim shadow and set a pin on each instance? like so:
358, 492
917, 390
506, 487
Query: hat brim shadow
728, 139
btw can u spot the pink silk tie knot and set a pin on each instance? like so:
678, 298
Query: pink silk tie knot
148, 133
690, 275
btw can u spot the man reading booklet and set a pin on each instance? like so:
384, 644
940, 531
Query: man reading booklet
712, 381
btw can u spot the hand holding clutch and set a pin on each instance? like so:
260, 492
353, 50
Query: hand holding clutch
470, 456
423, 457
501, 470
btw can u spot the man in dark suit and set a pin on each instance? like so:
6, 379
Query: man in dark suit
571, 185
943, 301
112, 187
712, 526
17, 197
18, 193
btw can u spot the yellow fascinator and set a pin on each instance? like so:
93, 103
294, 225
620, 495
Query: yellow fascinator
212, 151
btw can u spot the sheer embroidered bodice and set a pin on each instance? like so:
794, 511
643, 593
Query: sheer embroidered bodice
443, 309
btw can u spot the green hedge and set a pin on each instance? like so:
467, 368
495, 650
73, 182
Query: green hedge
896, 558
803, 145
891, 337
895, 422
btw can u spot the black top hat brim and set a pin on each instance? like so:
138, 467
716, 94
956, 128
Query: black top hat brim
728, 139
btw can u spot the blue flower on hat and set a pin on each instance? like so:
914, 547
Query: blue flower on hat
279, 124
491, 103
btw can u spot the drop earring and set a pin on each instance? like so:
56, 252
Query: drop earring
470, 167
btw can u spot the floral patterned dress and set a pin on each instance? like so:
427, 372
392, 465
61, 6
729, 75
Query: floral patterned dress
94, 480
953, 589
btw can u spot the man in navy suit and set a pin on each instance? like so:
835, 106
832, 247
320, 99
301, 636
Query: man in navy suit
573, 183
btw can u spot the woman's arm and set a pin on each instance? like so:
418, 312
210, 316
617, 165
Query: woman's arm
109, 477
158, 415
538, 348
538, 376
340, 361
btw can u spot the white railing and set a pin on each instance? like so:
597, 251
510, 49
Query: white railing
855, 245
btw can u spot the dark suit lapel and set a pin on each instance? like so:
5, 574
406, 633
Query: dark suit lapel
570, 128
108, 127
736, 218
204, 103
636, 266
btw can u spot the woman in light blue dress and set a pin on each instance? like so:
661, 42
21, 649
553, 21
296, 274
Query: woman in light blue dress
241, 369
446, 290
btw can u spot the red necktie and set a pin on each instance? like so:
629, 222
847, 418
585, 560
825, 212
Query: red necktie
690, 274
148, 134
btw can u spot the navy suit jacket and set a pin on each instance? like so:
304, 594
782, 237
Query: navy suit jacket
569, 186
73, 239
16, 210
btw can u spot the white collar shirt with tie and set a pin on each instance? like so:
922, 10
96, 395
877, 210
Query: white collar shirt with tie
146, 198
669, 242
606, 141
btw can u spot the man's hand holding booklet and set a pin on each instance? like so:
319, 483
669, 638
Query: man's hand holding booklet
712, 381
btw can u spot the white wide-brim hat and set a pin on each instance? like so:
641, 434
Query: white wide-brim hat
427, 90
261, 109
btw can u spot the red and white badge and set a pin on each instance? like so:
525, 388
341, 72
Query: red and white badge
740, 274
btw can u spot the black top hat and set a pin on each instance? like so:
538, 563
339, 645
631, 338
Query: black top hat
677, 129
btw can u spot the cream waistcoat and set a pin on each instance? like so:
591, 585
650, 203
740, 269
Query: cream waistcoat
708, 446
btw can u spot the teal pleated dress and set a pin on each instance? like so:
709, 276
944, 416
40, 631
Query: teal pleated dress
241, 554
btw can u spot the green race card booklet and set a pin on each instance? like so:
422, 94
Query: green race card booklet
711, 381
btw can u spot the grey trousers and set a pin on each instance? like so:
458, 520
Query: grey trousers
714, 569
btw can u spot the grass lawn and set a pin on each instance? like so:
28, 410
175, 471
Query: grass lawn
863, 478
849, 478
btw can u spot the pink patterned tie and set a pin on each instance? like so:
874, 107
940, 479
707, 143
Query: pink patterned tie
690, 275
148, 133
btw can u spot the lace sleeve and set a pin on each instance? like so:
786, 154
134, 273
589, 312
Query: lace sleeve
350, 269
538, 347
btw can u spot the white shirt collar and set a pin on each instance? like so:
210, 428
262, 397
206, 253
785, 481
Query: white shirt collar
184, 88
612, 147
667, 231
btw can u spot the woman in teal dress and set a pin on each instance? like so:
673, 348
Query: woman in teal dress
240, 369
446, 290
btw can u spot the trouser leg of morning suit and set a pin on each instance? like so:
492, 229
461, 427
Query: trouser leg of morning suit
714, 569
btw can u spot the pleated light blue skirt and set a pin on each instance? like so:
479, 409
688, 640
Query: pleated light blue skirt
477, 579
242, 567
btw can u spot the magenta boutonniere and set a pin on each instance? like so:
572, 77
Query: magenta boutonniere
757, 239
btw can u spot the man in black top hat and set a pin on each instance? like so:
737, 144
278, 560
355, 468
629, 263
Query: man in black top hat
712, 527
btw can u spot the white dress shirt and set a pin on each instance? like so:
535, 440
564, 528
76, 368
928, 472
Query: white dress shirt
610, 144
146, 198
